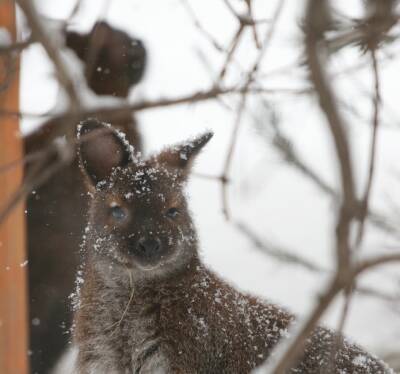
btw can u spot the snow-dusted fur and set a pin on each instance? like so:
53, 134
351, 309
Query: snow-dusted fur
170, 314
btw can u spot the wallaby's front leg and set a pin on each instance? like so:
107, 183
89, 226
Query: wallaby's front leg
150, 359
155, 365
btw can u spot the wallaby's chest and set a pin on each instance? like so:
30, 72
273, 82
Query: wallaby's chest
118, 331
133, 337
198, 324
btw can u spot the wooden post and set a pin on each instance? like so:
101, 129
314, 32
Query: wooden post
13, 294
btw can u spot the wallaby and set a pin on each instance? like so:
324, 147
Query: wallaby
147, 303
55, 217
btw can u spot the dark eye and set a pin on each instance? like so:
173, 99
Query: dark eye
172, 213
118, 213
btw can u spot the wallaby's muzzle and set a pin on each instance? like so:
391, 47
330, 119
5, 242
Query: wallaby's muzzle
147, 251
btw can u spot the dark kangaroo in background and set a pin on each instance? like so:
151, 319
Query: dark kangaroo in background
147, 303
56, 209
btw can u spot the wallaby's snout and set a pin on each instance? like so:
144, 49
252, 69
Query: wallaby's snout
148, 249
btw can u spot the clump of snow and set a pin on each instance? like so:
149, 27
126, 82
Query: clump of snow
128, 196
360, 360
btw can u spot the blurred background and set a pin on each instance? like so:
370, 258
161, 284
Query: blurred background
278, 206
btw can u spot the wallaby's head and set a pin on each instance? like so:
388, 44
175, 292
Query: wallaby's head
116, 61
138, 215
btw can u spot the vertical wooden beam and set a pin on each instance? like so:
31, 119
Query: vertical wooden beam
13, 294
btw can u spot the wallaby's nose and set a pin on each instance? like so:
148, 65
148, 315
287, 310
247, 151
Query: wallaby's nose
149, 247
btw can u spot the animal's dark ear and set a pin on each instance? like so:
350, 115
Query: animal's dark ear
181, 156
79, 43
101, 149
101, 26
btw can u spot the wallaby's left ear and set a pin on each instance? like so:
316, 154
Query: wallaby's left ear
181, 156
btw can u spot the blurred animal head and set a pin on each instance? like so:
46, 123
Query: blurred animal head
138, 216
114, 62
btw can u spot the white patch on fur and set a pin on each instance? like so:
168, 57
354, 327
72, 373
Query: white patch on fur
155, 364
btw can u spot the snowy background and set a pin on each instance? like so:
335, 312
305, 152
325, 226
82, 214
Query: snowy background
277, 202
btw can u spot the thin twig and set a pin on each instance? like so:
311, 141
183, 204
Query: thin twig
238, 120
372, 262
229, 156
253, 26
48, 161
232, 49
375, 124
118, 323
231, 9
200, 27
41, 171
279, 253
40, 34
115, 112
20, 162
16, 47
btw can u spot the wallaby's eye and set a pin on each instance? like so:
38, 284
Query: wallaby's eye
172, 213
118, 213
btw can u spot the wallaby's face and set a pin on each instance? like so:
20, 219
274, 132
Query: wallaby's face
138, 213
141, 216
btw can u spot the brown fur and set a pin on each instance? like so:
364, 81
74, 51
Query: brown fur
56, 210
171, 314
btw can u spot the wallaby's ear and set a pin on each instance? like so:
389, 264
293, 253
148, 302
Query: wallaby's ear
181, 156
78, 43
101, 25
101, 149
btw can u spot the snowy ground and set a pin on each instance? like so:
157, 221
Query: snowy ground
276, 201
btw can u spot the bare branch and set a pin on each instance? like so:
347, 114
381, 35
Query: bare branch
317, 19
250, 78
40, 172
232, 49
47, 162
16, 47
253, 26
229, 156
278, 253
287, 352
200, 27
375, 124
373, 262
40, 34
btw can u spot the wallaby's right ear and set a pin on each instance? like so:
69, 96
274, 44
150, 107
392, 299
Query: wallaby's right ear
100, 150
78, 43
